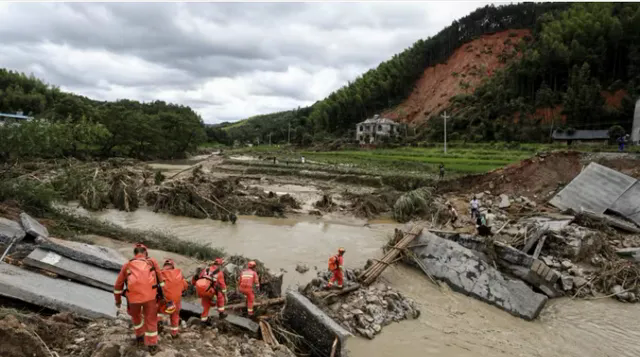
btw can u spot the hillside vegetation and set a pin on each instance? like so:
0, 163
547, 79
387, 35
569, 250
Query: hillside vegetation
72, 125
578, 69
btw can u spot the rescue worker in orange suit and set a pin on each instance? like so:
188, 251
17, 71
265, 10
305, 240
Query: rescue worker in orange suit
336, 265
174, 285
143, 289
210, 286
249, 279
217, 274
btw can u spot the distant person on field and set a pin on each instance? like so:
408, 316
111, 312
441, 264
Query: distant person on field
621, 143
475, 205
441, 171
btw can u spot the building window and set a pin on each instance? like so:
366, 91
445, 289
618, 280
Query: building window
391, 129
379, 127
360, 127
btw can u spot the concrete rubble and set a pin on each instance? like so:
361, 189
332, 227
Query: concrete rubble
33, 227
10, 230
468, 273
55, 294
82, 272
104, 257
302, 316
367, 310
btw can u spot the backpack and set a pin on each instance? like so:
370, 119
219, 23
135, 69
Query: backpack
333, 263
141, 275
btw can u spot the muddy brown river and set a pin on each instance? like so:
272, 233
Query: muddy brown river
451, 324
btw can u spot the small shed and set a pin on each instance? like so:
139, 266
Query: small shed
594, 137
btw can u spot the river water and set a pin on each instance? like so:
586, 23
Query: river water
451, 324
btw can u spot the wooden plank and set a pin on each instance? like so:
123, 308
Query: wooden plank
533, 239
377, 268
536, 253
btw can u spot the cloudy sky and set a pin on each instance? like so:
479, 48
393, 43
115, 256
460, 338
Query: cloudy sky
228, 61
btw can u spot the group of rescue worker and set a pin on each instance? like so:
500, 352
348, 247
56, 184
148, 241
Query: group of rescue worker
153, 294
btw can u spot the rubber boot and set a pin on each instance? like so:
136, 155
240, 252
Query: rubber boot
222, 315
153, 350
139, 341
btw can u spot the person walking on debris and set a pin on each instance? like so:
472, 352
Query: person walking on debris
441, 171
481, 225
208, 289
336, 265
246, 283
175, 285
475, 205
143, 290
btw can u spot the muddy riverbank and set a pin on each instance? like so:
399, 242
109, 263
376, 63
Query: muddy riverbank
451, 324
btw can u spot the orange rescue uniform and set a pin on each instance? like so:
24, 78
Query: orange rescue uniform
247, 280
338, 272
211, 288
174, 285
141, 274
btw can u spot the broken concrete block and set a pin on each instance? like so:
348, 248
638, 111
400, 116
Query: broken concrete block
10, 229
567, 282
104, 257
465, 272
504, 201
238, 321
85, 273
566, 264
627, 252
55, 294
314, 325
33, 227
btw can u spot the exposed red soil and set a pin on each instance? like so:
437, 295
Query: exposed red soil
614, 100
470, 63
539, 177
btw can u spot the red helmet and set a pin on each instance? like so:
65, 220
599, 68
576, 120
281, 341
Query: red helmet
251, 264
140, 245
169, 262
219, 261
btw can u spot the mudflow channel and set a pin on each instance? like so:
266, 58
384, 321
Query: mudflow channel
451, 324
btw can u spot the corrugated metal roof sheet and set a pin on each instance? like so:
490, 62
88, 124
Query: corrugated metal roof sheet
581, 135
628, 204
14, 116
378, 121
595, 189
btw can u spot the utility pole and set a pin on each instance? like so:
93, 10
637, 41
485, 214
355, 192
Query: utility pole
445, 116
289, 134
269, 139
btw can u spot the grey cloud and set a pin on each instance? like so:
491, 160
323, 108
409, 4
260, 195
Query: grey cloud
151, 49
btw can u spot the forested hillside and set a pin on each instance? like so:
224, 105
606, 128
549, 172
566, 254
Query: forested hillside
578, 57
71, 125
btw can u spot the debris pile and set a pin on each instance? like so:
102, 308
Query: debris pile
361, 310
32, 335
200, 196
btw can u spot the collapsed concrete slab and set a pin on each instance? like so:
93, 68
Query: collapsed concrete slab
238, 321
465, 272
9, 230
33, 227
104, 257
314, 325
85, 273
55, 294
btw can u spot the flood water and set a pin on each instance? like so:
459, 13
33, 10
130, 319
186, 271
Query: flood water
451, 324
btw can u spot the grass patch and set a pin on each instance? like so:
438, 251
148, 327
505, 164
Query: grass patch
69, 225
412, 204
